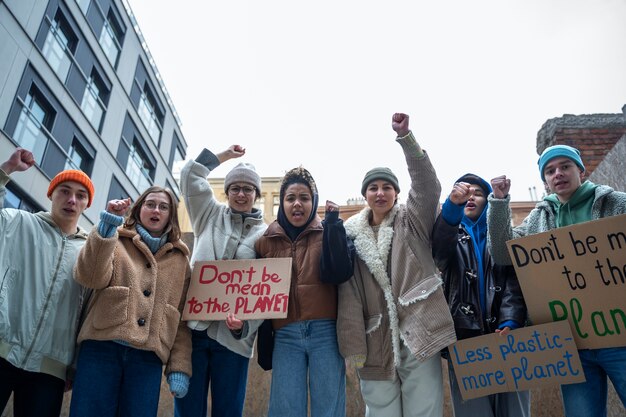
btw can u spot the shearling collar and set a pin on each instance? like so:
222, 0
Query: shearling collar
375, 252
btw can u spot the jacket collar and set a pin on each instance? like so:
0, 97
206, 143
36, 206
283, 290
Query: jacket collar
47, 217
375, 253
132, 234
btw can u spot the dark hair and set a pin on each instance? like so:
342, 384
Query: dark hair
297, 175
172, 228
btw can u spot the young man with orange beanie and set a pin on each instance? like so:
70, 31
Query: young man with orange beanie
40, 302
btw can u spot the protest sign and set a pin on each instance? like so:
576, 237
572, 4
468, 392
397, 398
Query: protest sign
525, 358
577, 273
248, 288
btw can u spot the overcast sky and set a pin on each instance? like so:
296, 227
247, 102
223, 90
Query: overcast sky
316, 83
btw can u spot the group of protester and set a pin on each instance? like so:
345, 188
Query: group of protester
100, 312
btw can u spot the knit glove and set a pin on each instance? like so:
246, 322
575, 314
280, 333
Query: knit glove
109, 223
179, 383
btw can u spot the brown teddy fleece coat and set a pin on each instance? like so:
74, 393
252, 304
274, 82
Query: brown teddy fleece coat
138, 297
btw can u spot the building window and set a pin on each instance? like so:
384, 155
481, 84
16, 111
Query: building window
177, 154
34, 124
178, 157
92, 103
59, 47
117, 192
110, 38
260, 203
138, 168
275, 205
77, 157
13, 199
148, 114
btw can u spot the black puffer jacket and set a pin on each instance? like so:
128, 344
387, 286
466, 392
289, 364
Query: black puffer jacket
454, 255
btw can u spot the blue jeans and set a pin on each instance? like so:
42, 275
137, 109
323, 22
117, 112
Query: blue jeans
588, 399
224, 370
115, 380
306, 357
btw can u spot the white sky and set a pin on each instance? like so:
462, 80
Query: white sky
316, 83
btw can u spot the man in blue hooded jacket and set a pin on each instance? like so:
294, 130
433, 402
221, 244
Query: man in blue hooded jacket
483, 297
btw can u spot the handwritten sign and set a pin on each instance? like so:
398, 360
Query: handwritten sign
525, 358
577, 273
248, 288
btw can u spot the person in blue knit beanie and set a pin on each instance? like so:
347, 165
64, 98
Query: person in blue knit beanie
572, 200
138, 268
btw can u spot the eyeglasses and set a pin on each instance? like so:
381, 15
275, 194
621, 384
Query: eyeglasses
235, 190
151, 205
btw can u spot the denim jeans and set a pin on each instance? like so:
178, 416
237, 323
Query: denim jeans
113, 380
35, 394
589, 398
224, 370
306, 358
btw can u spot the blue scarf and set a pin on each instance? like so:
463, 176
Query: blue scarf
154, 243
478, 233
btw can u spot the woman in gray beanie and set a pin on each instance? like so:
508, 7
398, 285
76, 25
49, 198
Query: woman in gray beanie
393, 319
221, 349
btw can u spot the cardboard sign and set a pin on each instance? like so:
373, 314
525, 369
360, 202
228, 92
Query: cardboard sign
249, 288
525, 358
577, 273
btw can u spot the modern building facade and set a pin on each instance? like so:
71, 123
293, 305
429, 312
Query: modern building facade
79, 88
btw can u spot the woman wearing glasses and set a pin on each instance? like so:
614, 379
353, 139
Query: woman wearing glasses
221, 349
139, 270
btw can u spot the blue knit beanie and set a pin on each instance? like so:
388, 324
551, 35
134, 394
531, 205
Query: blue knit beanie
556, 151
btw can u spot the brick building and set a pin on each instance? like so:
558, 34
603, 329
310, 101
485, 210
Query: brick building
601, 139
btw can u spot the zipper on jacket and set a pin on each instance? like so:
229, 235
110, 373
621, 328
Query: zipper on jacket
295, 284
4, 278
47, 302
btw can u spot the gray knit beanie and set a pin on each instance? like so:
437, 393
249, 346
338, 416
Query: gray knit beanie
379, 173
243, 172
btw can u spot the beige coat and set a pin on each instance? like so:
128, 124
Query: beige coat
138, 296
396, 293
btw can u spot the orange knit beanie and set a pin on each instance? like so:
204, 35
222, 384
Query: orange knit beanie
72, 175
